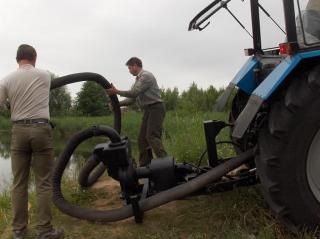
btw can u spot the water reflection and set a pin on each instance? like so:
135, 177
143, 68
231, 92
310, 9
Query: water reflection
76, 161
5, 173
5, 164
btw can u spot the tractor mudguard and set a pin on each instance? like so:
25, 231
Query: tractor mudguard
266, 89
244, 79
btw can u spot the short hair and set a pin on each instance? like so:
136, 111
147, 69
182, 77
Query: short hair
26, 52
134, 61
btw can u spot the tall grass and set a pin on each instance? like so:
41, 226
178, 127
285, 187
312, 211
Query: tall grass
183, 134
5, 210
241, 213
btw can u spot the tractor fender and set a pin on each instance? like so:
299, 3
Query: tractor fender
244, 79
263, 91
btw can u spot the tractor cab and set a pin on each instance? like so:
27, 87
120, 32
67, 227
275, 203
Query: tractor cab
308, 22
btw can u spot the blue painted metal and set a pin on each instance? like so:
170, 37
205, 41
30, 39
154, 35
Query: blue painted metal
266, 88
244, 79
279, 74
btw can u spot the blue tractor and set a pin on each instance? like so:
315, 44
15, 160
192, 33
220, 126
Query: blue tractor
275, 129
277, 109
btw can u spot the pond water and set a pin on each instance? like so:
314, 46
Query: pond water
5, 173
72, 170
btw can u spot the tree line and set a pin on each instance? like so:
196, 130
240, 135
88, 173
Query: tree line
92, 100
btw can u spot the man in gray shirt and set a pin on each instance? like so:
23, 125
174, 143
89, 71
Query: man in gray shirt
27, 90
146, 93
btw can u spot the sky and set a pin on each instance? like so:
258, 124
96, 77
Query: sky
99, 36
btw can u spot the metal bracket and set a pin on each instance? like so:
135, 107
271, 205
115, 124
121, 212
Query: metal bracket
138, 214
211, 130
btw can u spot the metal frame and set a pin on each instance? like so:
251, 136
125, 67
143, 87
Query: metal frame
290, 20
196, 22
212, 8
255, 19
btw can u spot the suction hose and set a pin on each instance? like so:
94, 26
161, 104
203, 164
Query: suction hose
88, 76
91, 170
146, 204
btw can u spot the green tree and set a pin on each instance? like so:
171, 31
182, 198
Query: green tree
193, 100
211, 95
170, 98
92, 100
5, 110
60, 101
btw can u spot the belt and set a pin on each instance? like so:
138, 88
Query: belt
31, 121
159, 102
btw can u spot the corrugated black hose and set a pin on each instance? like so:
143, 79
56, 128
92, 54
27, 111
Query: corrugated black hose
146, 204
88, 76
92, 169
113, 134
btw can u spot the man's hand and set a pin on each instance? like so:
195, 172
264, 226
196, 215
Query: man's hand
112, 91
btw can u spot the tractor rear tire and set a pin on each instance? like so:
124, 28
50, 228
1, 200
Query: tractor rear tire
288, 163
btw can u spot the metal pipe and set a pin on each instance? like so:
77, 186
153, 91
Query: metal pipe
255, 18
289, 17
143, 172
197, 25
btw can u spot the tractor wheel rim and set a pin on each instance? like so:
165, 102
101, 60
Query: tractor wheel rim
313, 166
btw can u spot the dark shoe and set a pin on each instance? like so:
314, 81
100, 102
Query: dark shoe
20, 234
52, 234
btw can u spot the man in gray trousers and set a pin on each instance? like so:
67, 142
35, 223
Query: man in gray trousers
27, 90
146, 93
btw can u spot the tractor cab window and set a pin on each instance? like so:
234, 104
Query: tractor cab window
308, 22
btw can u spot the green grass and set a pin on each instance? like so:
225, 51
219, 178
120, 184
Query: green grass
183, 134
241, 213
5, 123
237, 214
5, 213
